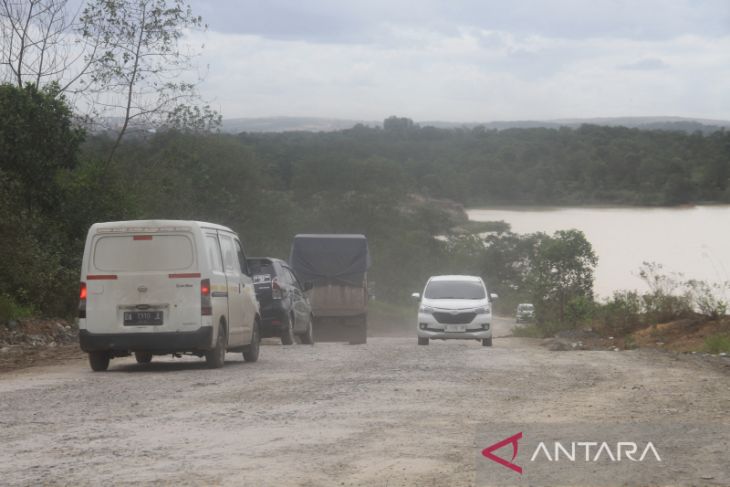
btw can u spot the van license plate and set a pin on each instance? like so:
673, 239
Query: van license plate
455, 328
143, 317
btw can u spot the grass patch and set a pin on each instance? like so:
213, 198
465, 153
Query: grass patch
630, 343
10, 310
717, 343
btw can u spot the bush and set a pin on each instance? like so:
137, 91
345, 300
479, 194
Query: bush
620, 314
717, 343
668, 298
10, 310
705, 298
579, 311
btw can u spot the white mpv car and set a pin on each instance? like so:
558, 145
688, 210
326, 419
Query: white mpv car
154, 287
455, 307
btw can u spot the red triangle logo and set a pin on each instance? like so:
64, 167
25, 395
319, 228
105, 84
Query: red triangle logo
487, 452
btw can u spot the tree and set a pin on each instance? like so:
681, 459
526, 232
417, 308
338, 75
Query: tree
37, 45
37, 139
561, 273
398, 125
141, 66
38, 145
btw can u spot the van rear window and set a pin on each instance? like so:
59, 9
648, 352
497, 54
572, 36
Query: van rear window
125, 253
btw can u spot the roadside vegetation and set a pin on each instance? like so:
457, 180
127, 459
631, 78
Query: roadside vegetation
674, 313
718, 343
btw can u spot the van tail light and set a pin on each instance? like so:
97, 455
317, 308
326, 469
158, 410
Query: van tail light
206, 304
275, 289
82, 300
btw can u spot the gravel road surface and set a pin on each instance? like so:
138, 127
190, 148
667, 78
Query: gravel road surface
386, 413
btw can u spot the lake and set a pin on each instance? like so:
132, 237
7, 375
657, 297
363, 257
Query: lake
694, 240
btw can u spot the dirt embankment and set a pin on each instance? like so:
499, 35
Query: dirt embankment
28, 342
685, 335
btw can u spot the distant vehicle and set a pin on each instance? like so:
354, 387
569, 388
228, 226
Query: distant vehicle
285, 309
156, 287
337, 267
525, 313
455, 307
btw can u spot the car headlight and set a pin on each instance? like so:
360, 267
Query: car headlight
484, 310
425, 309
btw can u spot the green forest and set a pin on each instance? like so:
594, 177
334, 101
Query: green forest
588, 165
388, 183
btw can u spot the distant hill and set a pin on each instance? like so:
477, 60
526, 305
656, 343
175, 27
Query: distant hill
289, 124
315, 124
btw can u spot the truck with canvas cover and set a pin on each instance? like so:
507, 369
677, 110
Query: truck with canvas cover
337, 266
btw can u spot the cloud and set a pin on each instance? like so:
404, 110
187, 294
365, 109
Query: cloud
646, 64
337, 21
436, 61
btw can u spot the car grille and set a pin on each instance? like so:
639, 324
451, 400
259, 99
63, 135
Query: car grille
454, 319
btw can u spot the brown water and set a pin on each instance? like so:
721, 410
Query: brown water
694, 241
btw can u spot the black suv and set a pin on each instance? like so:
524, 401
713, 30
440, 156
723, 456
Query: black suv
285, 309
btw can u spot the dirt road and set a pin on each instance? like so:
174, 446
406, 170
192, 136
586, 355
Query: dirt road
385, 413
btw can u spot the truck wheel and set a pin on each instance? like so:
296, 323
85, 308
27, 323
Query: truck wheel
287, 332
143, 357
217, 357
99, 361
251, 352
486, 342
307, 338
423, 340
359, 333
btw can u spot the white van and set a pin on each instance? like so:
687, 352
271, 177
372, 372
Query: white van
155, 287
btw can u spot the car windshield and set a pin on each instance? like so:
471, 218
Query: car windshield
455, 290
525, 307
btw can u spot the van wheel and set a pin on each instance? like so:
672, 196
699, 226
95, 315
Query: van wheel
307, 338
251, 352
423, 340
99, 361
486, 342
143, 357
287, 333
217, 357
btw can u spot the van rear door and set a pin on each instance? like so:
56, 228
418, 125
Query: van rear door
143, 281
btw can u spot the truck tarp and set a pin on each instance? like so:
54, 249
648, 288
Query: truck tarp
330, 259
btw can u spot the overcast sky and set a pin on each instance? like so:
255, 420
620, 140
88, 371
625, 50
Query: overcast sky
472, 60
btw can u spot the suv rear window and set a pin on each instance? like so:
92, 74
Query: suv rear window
261, 266
130, 253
